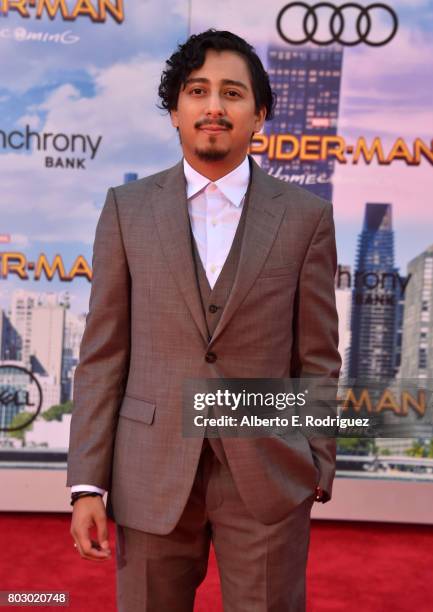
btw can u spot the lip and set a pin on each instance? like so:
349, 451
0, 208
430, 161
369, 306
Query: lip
213, 129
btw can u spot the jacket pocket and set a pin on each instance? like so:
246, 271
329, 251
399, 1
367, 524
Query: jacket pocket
137, 410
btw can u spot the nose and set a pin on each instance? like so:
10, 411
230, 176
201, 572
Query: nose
215, 106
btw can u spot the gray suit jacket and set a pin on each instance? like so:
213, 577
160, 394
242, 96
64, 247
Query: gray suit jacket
145, 333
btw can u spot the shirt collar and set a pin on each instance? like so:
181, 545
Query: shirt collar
233, 185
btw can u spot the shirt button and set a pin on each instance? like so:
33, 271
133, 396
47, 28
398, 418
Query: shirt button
213, 268
214, 222
212, 187
210, 357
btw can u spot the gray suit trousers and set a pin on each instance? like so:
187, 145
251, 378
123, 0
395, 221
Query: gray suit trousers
262, 567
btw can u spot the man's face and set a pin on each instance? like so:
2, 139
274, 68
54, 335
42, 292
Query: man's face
216, 113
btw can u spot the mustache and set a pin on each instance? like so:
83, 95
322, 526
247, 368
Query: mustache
221, 121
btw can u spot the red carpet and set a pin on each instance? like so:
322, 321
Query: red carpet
362, 567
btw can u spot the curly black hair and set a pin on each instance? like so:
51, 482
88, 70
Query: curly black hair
191, 56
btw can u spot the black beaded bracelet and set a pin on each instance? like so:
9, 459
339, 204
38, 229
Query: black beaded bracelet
79, 494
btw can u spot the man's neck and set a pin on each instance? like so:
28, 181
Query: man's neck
213, 170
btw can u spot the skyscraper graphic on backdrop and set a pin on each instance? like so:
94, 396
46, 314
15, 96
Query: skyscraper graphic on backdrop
401, 300
32, 336
343, 299
38, 321
128, 177
417, 344
10, 341
307, 84
73, 333
374, 299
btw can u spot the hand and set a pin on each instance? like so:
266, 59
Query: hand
89, 512
321, 495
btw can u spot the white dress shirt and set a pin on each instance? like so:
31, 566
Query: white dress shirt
214, 210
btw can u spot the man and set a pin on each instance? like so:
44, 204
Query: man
211, 269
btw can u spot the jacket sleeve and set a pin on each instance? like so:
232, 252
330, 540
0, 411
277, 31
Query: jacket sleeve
315, 351
100, 377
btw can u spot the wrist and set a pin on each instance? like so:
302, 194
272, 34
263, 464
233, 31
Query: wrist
79, 494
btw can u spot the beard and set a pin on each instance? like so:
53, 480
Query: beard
210, 153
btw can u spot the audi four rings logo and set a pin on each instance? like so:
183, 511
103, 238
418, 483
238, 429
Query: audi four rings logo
338, 24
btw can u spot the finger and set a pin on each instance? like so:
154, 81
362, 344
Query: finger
86, 549
102, 532
92, 556
88, 557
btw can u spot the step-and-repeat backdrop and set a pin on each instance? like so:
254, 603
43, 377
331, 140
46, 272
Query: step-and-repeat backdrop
353, 124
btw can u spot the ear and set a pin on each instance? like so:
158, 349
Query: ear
259, 119
174, 118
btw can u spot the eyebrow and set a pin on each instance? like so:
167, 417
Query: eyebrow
224, 82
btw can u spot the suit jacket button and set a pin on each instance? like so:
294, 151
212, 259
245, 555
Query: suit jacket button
210, 357
213, 308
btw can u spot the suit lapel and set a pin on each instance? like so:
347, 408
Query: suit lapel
264, 214
171, 216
